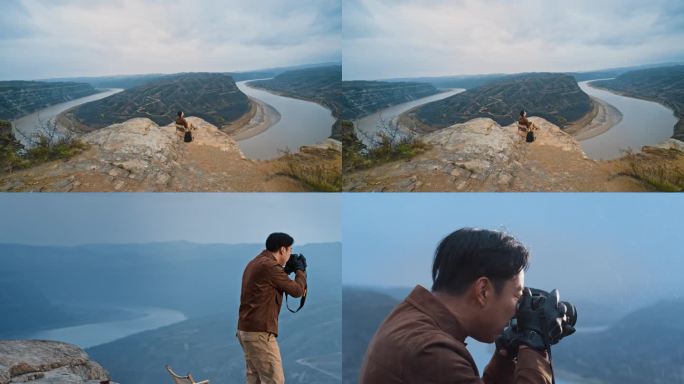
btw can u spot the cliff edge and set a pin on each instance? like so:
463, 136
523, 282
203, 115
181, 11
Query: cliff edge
42, 362
481, 155
139, 155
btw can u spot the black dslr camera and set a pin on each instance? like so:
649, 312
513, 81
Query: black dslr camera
541, 320
295, 262
553, 308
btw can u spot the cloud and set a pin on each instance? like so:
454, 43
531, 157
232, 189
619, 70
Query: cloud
69, 38
385, 38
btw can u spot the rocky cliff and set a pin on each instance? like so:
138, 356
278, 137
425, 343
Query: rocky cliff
43, 362
481, 155
139, 155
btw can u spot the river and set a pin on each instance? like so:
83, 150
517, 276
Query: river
26, 126
90, 335
643, 123
367, 127
301, 123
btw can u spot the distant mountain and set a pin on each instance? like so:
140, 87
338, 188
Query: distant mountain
120, 81
646, 346
461, 81
317, 84
361, 98
20, 98
213, 97
664, 85
135, 80
310, 344
197, 279
552, 96
363, 310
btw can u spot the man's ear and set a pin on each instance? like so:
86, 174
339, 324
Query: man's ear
481, 290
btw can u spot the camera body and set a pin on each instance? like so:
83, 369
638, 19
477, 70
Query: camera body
541, 320
553, 308
295, 262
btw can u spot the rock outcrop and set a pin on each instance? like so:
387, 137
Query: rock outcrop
481, 155
138, 155
43, 362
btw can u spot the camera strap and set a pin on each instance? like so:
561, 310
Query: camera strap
301, 303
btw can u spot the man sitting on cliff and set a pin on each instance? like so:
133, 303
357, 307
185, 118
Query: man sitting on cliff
525, 125
182, 125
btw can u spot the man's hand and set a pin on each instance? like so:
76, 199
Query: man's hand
294, 263
508, 342
301, 263
539, 320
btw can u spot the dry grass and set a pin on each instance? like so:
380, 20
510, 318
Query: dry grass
662, 172
316, 175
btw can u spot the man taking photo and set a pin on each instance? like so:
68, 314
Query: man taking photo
263, 283
478, 286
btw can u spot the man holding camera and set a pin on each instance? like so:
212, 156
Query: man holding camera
263, 283
478, 287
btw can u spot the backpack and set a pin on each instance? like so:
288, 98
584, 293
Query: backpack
188, 136
530, 136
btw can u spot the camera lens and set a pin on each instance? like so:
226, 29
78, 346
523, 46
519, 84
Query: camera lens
570, 313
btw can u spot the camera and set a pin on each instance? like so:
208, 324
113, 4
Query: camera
552, 308
557, 318
295, 262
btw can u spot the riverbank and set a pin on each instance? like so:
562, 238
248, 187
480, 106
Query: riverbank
602, 118
260, 118
678, 132
399, 115
26, 127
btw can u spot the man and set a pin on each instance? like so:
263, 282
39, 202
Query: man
182, 125
524, 125
263, 283
478, 278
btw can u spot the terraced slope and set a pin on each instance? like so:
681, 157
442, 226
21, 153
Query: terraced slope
552, 96
213, 97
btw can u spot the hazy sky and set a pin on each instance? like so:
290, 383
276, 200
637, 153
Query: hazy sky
73, 218
403, 38
56, 38
583, 244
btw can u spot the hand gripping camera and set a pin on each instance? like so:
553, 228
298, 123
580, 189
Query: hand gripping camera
541, 320
294, 263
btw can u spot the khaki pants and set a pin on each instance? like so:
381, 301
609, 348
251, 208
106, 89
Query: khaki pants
264, 365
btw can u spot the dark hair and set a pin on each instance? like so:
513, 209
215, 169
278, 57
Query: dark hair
180, 113
522, 113
469, 253
277, 240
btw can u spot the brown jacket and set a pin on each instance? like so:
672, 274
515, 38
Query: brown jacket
263, 284
523, 122
183, 122
422, 342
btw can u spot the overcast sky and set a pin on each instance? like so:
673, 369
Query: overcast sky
404, 38
584, 244
58, 38
228, 218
